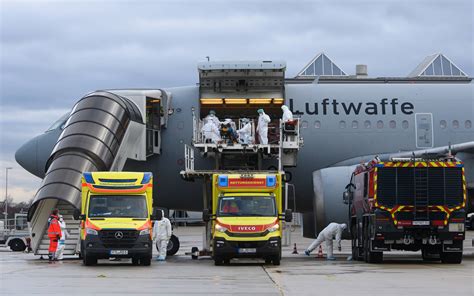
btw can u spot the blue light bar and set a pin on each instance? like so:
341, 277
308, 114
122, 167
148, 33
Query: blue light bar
271, 181
380, 165
88, 178
460, 165
146, 177
223, 181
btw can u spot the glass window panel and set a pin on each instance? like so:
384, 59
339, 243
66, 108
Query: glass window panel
405, 124
442, 124
336, 70
310, 70
327, 66
455, 124
456, 71
392, 124
317, 124
380, 124
468, 124
437, 66
367, 124
318, 66
355, 124
446, 67
342, 124
429, 70
304, 124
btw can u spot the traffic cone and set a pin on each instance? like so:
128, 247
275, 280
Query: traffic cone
295, 251
320, 252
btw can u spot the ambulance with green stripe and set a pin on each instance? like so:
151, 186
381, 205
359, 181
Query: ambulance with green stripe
116, 216
247, 213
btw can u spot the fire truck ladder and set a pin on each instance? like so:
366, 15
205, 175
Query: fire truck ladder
421, 200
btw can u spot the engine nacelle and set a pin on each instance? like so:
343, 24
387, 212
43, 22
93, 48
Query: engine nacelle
328, 187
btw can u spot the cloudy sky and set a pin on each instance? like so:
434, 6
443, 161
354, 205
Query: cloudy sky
53, 52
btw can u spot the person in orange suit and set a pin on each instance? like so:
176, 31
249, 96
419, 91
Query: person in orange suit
54, 234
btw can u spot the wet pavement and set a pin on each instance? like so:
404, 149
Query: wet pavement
402, 273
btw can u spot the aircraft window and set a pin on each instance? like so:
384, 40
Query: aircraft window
317, 124
367, 124
304, 124
443, 124
379, 124
355, 124
60, 123
342, 124
455, 124
467, 124
392, 124
405, 124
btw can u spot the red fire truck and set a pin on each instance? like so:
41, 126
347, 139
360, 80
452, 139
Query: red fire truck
408, 204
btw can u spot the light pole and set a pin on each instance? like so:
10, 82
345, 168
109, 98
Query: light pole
5, 213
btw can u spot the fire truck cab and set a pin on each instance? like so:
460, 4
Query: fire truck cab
407, 204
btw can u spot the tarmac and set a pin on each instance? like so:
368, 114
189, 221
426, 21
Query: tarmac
402, 273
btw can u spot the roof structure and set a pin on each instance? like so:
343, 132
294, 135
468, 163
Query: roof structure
437, 65
321, 65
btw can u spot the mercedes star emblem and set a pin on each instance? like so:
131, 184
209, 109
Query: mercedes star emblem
119, 235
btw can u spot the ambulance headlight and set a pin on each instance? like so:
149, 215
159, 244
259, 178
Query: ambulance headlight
274, 228
220, 228
91, 231
145, 231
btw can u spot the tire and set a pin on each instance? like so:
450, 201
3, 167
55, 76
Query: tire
472, 223
276, 260
173, 245
226, 261
268, 260
135, 261
17, 245
451, 257
369, 256
430, 255
194, 250
145, 261
89, 260
218, 261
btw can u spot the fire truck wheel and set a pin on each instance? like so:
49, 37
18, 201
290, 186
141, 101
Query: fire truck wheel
17, 245
226, 261
430, 255
451, 257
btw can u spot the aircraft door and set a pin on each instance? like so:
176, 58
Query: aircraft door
424, 130
153, 126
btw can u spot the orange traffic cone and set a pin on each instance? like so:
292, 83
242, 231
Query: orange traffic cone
295, 251
320, 252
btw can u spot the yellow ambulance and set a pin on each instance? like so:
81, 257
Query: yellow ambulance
116, 216
246, 216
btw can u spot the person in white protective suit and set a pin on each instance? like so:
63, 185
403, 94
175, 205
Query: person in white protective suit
333, 230
62, 239
214, 119
161, 234
287, 115
262, 127
245, 133
210, 132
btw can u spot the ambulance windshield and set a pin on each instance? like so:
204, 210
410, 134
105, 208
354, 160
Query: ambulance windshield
247, 206
118, 206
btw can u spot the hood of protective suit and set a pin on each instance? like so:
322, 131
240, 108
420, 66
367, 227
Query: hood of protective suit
284, 108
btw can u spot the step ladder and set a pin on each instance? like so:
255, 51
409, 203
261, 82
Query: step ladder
421, 199
67, 211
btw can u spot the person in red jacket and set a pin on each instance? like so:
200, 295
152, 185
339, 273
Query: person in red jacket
54, 234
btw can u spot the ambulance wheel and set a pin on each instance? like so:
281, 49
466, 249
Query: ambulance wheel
89, 260
135, 261
17, 245
218, 261
193, 251
173, 246
451, 257
268, 260
276, 260
145, 261
226, 261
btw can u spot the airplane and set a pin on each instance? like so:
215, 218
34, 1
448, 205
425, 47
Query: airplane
343, 120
